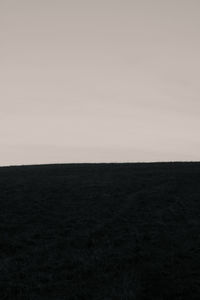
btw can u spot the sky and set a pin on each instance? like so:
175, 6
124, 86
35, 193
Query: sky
99, 81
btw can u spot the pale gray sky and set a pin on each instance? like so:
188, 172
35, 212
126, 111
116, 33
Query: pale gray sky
106, 80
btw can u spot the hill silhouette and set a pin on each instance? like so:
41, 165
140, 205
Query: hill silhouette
100, 231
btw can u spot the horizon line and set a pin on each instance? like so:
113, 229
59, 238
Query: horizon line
100, 163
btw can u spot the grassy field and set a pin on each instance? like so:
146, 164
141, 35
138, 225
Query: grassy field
100, 231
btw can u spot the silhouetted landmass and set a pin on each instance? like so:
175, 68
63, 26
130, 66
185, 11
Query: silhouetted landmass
100, 231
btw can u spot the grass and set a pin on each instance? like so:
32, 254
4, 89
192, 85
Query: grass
100, 231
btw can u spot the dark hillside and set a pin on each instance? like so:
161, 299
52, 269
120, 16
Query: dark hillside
100, 231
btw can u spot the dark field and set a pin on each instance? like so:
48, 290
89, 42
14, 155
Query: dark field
100, 231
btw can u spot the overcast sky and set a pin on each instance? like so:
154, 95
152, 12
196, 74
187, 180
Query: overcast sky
99, 81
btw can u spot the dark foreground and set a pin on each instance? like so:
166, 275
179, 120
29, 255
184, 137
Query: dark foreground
104, 231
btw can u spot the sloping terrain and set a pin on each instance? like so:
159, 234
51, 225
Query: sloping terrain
100, 231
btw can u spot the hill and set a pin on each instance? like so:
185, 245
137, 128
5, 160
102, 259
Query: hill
100, 231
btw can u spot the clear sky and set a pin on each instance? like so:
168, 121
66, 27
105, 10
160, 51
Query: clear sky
99, 81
